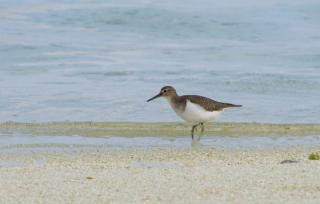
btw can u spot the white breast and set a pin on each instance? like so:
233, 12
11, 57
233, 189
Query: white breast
196, 114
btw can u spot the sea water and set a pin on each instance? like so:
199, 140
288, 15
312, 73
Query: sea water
101, 60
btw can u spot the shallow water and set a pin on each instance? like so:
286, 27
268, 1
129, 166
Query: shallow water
100, 61
81, 136
18, 143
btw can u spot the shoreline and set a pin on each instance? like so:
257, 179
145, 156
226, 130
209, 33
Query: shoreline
97, 129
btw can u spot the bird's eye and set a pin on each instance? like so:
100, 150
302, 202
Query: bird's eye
164, 90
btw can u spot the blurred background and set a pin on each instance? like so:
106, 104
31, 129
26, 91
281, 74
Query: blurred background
100, 60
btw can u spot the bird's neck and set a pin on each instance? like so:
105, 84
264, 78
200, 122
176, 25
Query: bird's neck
177, 103
173, 98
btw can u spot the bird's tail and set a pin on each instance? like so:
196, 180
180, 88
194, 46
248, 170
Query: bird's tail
230, 105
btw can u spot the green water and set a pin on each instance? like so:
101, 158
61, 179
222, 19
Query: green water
97, 129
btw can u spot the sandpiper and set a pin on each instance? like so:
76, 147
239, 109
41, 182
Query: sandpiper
193, 108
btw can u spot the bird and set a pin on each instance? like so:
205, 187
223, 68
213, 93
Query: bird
194, 109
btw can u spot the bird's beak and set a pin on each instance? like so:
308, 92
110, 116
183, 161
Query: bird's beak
156, 96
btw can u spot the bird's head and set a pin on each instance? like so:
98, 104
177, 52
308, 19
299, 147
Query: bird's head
166, 91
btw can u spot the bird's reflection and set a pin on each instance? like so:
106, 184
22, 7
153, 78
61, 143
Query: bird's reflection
196, 144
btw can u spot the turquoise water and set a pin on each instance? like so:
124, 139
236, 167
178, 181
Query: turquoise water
100, 60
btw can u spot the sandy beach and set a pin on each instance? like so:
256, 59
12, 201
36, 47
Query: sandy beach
156, 175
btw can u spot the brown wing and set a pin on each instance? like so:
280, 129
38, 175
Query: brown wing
209, 104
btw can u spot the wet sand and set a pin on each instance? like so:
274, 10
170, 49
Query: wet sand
160, 175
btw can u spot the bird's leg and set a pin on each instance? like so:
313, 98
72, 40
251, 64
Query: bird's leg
202, 128
192, 130
194, 127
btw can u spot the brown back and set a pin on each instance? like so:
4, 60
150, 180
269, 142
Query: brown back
207, 103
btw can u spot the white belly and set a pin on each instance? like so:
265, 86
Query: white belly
196, 114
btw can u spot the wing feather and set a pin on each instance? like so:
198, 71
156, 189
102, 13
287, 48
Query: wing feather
209, 104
